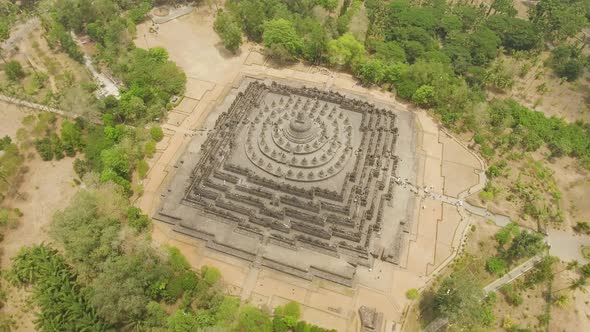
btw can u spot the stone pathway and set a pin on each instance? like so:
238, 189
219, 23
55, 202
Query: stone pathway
563, 244
249, 284
107, 87
513, 274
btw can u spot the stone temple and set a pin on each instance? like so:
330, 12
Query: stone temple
296, 179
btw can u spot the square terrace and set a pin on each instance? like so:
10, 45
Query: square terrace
296, 179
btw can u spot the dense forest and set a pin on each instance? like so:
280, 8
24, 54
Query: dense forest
437, 55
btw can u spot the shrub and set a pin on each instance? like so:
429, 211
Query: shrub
4, 142
210, 274
511, 295
150, 149
177, 260
142, 168
137, 220
43, 147
497, 266
156, 133
412, 294
14, 70
582, 227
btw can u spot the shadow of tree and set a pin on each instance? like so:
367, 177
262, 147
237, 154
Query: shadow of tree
426, 307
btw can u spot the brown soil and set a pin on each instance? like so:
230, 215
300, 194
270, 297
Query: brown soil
574, 184
46, 188
539, 89
161, 11
11, 118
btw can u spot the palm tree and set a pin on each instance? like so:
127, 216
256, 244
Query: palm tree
580, 284
573, 265
574, 285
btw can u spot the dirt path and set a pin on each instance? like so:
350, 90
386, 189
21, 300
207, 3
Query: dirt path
18, 33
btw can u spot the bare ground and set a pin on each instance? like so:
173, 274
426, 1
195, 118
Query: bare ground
537, 87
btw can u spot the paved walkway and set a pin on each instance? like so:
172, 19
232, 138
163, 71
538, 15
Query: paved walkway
518, 271
513, 274
563, 244
174, 13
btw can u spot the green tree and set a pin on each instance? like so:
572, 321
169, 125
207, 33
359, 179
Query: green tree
136, 219
424, 96
291, 309
344, 50
459, 299
251, 319
559, 19
227, 311
506, 234
516, 33
570, 70
57, 292
565, 61
525, 244
484, 46
496, 266
502, 6
315, 44
390, 52
228, 30
281, 39
71, 137
210, 275
252, 16
88, 228
182, 321
158, 54
126, 284
116, 159
156, 133
14, 70
370, 71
